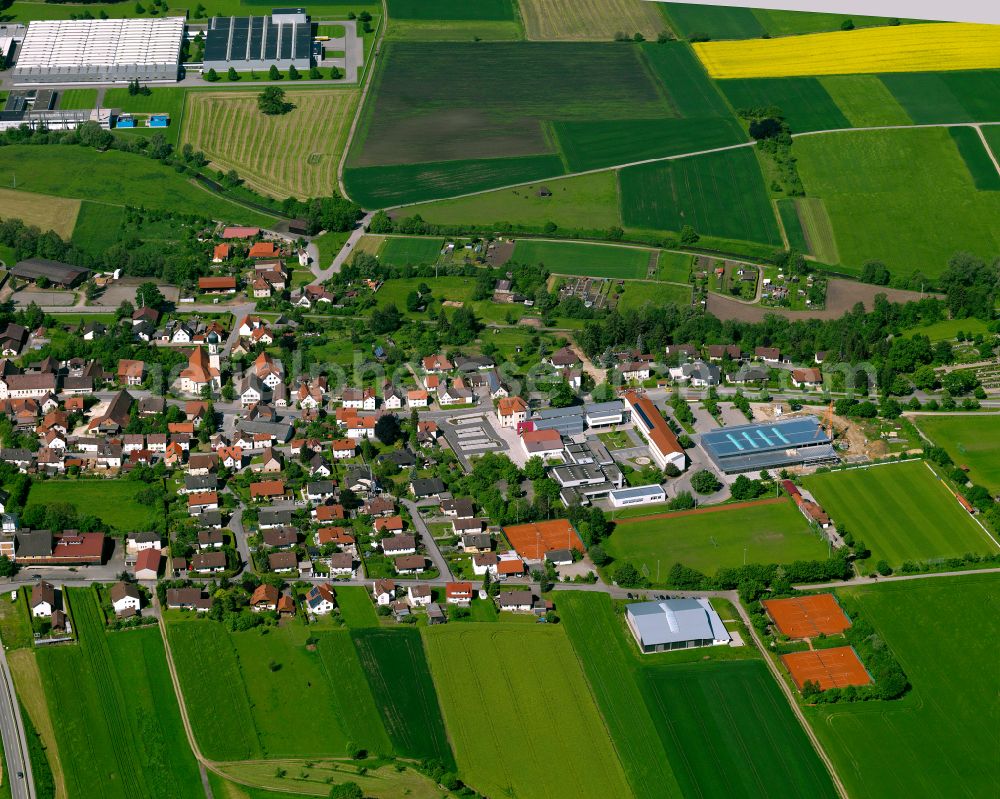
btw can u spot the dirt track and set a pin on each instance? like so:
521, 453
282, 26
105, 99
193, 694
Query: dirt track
841, 296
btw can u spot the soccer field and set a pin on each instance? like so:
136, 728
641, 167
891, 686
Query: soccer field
972, 441
520, 713
710, 539
901, 511
939, 740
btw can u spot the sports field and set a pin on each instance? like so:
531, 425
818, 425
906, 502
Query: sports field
836, 667
709, 539
117, 723
807, 616
520, 713
396, 668
588, 202
939, 738
977, 158
596, 20
719, 194
972, 441
112, 501
294, 154
117, 178
45, 212
881, 208
403, 251
237, 688
904, 48
714, 719
901, 511
590, 260
805, 102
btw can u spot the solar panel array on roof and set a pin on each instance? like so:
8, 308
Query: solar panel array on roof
257, 43
763, 446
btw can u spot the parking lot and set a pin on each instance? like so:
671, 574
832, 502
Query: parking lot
472, 436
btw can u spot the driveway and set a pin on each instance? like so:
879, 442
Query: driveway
433, 552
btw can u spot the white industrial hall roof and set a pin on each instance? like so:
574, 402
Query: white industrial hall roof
61, 44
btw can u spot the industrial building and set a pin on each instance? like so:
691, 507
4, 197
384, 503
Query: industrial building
675, 624
37, 109
283, 40
55, 272
100, 51
801, 441
637, 495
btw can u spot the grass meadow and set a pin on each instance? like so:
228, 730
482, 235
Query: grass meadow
587, 202
572, 20
723, 22
674, 266
938, 740
43, 211
396, 668
984, 173
865, 100
590, 260
901, 511
805, 102
77, 98
294, 154
451, 9
112, 501
636, 295
719, 194
97, 226
116, 178
789, 214
160, 100
237, 688
118, 729
520, 712
403, 251
775, 532
972, 441
817, 229
881, 208
356, 607
932, 97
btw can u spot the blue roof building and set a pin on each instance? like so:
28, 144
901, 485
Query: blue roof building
771, 445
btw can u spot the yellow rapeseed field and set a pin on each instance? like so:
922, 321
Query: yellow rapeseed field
929, 47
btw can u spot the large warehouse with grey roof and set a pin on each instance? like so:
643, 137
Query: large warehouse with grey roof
801, 441
283, 40
675, 624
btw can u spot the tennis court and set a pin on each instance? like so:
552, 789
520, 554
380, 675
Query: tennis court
829, 668
807, 616
532, 541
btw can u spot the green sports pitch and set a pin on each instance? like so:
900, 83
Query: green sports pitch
902, 511
719, 537
972, 441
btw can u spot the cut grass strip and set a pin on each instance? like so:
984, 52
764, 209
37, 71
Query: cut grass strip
817, 229
865, 100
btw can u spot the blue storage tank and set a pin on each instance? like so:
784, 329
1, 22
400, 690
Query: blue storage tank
159, 120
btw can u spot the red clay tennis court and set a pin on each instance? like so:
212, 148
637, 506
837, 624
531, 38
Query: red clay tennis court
807, 616
830, 668
532, 541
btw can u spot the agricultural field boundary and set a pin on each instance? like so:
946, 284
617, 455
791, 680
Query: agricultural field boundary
660, 159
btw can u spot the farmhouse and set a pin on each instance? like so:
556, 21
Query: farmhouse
775, 445
675, 624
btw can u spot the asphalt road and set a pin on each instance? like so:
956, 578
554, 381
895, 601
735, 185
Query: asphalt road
14, 740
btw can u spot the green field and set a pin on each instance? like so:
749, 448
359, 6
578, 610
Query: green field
118, 726
692, 93
396, 668
865, 100
382, 186
451, 9
931, 97
981, 167
724, 22
939, 739
112, 501
636, 295
948, 329
674, 266
719, 194
410, 251
609, 662
805, 103
715, 719
817, 229
520, 713
972, 441
356, 607
706, 541
901, 511
117, 178
242, 707
77, 98
590, 260
788, 211
97, 226
588, 202
992, 134
882, 208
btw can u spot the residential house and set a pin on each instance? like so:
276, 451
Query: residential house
410, 564
44, 599
807, 378
321, 599
383, 591
543, 443
512, 411
458, 593
282, 562
419, 596
516, 601
125, 599
188, 599
399, 545
265, 597
208, 562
